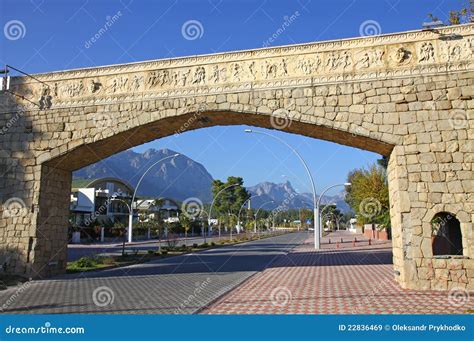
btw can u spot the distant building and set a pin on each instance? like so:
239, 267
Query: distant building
168, 211
104, 200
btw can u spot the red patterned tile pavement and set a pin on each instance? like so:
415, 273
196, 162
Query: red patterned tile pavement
339, 279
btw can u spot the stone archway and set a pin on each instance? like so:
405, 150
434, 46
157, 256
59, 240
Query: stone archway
408, 96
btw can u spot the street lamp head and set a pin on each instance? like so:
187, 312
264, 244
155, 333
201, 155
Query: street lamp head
347, 184
248, 130
177, 154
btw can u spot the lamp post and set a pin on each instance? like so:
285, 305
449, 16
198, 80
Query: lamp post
318, 204
129, 210
241, 207
317, 236
256, 214
321, 214
130, 216
212, 204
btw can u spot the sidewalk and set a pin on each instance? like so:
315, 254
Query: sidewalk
344, 280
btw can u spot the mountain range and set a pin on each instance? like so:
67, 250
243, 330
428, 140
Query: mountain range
181, 178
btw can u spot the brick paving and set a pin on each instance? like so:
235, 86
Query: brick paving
182, 284
339, 279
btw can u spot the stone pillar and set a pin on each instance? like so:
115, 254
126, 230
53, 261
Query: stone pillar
34, 220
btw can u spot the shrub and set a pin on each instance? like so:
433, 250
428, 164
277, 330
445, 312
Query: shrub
195, 245
203, 245
213, 244
86, 262
164, 252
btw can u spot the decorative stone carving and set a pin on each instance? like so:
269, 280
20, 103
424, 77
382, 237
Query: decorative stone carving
73, 89
338, 61
199, 75
236, 72
402, 56
372, 58
118, 84
323, 62
136, 83
94, 86
308, 65
426, 53
253, 70
158, 78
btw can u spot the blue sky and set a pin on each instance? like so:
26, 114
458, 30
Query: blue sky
55, 33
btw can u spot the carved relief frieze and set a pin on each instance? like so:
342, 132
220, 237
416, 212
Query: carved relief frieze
403, 54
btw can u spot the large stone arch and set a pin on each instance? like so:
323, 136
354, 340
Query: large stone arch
408, 96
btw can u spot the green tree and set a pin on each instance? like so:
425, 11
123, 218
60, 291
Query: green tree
463, 15
368, 195
228, 197
185, 224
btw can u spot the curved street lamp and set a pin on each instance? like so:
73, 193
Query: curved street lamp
241, 207
129, 210
318, 204
317, 235
209, 217
256, 214
130, 216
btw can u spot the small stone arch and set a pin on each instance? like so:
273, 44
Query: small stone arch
446, 235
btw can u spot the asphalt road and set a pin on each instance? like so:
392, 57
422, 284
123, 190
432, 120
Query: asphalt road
176, 285
76, 251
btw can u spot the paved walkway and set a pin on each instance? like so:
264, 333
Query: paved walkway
182, 284
340, 279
